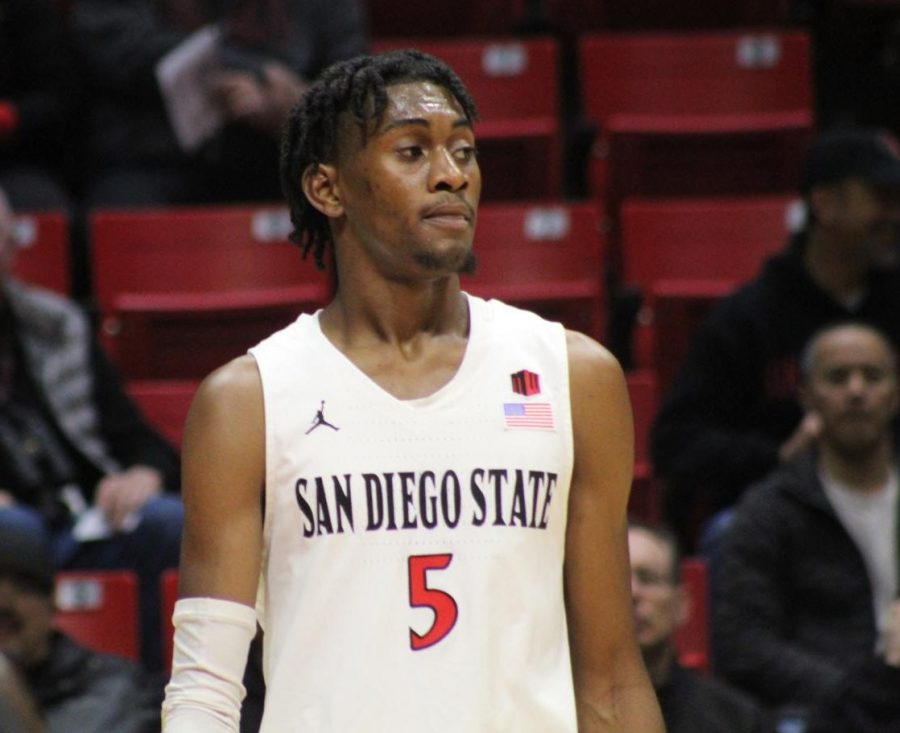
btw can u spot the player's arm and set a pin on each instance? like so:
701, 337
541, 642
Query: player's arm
612, 690
223, 470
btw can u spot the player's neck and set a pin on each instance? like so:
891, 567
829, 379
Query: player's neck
396, 313
865, 471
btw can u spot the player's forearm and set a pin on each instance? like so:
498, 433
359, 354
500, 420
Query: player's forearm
632, 709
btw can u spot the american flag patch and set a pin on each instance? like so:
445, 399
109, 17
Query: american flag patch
538, 415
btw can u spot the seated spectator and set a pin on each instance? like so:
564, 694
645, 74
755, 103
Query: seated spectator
808, 612
35, 104
268, 53
18, 713
77, 461
74, 689
733, 414
690, 702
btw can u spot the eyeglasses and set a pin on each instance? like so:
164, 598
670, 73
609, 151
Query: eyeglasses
650, 578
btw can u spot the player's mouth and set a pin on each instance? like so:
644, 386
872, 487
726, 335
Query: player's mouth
449, 216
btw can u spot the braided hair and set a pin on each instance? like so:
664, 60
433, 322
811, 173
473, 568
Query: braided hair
358, 87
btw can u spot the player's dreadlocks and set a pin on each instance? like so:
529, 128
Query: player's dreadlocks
358, 87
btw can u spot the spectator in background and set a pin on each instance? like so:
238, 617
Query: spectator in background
268, 53
36, 86
18, 713
808, 613
690, 702
733, 414
77, 461
75, 690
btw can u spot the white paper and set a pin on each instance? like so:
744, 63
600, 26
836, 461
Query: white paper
183, 75
91, 525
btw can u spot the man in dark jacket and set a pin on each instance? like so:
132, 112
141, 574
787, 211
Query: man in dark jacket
733, 414
77, 461
267, 53
691, 702
74, 689
809, 567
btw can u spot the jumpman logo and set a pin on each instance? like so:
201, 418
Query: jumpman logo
319, 420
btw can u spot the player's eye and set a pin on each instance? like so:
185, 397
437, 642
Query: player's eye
411, 152
465, 154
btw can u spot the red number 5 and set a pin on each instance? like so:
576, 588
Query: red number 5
420, 595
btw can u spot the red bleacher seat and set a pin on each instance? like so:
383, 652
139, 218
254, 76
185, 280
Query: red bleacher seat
545, 256
43, 256
165, 404
701, 238
696, 113
181, 291
168, 596
683, 254
577, 16
99, 609
692, 639
644, 501
515, 83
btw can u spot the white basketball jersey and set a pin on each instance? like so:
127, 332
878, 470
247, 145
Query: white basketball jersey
412, 575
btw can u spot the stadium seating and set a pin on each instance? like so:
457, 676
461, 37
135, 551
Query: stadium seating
692, 639
164, 403
684, 254
546, 256
43, 256
644, 501
181, 291
515, 83
578, 16
693, 114
168, 596
99, 609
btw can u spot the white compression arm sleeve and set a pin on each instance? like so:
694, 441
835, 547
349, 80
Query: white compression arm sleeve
212, 638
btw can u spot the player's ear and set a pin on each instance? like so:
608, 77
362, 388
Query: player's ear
319, 183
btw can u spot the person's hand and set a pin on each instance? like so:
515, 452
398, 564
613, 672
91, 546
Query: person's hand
239, 93
806, 434
284, 89
892, 636
263, 103
119, 495
6, 499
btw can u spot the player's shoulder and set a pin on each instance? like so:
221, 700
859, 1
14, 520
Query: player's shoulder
233, 387
589, 359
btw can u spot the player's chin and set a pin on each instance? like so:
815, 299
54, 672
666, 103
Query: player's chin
448, 260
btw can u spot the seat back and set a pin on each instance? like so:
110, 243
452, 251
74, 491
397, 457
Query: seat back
684, 254
729, 73
99, 609
165, 404
43, 257
168, 597
578, 16
692, 639
701, 238
182, 291
546, 256
644, 501
696, 113
515, 84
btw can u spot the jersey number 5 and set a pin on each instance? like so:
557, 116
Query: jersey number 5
421, 596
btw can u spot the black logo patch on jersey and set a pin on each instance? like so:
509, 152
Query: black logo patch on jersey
320, 421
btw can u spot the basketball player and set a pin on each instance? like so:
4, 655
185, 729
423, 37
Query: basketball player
419, 495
